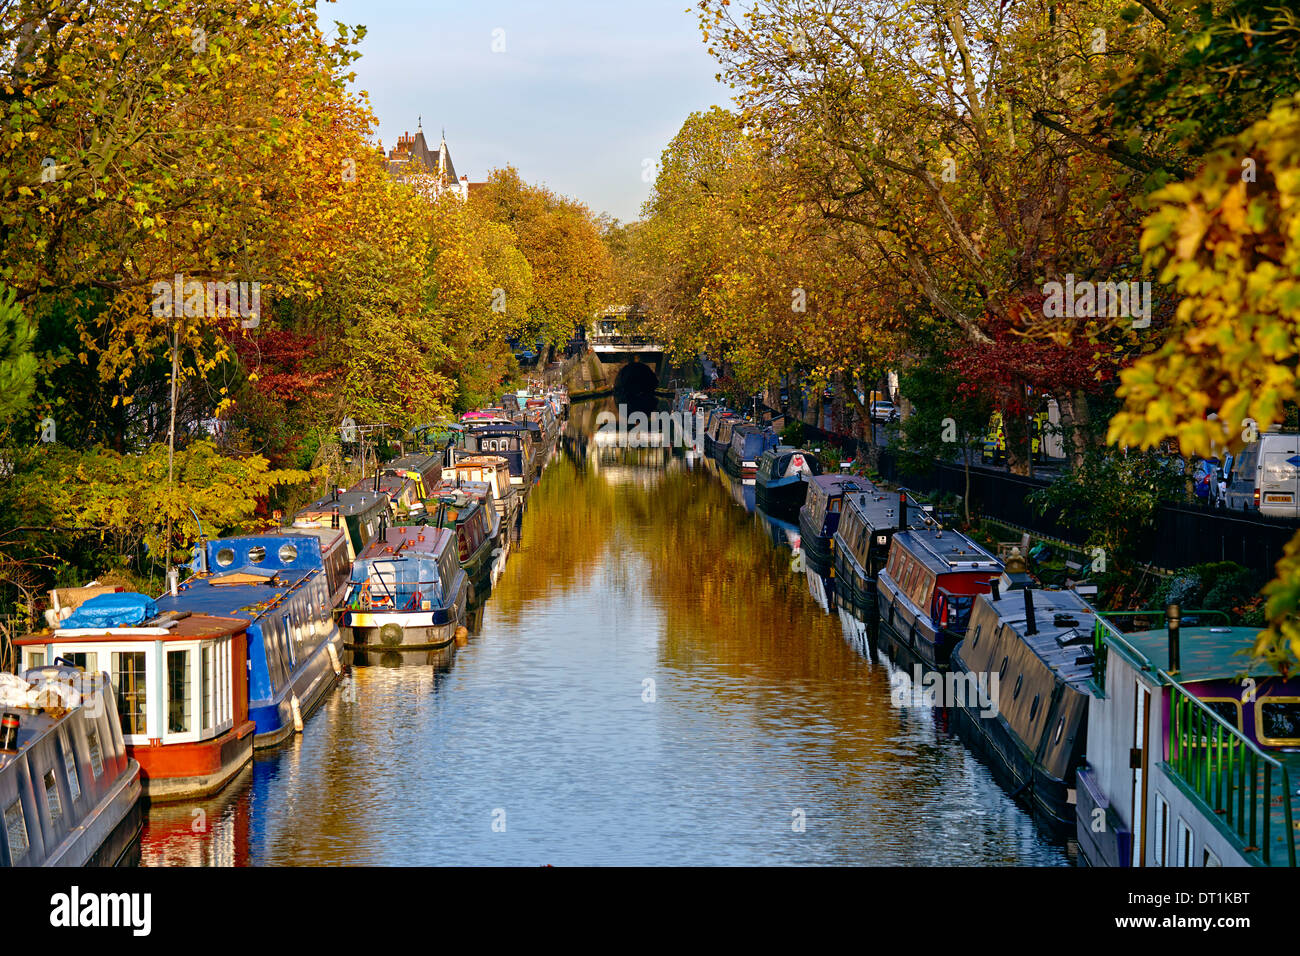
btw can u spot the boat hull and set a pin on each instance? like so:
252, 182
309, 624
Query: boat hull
816, 547
191, 770
311, 679
783, 498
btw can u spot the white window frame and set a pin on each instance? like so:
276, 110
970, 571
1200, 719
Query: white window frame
1186, 844
1160, 830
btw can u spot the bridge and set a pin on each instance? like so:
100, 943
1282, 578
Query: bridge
619, 355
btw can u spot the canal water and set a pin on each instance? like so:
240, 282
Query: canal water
652, 681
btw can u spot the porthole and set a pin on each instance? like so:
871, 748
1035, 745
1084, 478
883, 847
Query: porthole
1019, 680
1060, 729
1002, 671
226, 557
975, 641
1033, 708
288, 553
256, 554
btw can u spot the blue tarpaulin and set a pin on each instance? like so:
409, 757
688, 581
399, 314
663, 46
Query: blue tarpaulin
123, 609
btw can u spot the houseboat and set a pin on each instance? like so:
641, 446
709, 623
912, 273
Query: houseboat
509, 441
181, 686
782, 480
69, 791
1193, 750
408, 592
466, 510
925, 591
405, 502
717, 435
819, 518
294, 646
868, 520
424, 470
286, 550
748, 443
357, 513
494, 470
1033, 649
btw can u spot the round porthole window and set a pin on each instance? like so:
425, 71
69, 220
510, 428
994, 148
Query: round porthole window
1019, 680
976, 641
1060, 728
1033, 708
1002, 671
288, 553
256, 554
225, 557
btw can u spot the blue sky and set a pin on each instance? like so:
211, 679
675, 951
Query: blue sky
581, 95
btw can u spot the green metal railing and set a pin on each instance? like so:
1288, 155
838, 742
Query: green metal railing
1230, 773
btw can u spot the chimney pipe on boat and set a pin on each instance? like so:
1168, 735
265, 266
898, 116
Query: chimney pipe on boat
1031, 625
902, 509
995, 590
1173, 621
9, 732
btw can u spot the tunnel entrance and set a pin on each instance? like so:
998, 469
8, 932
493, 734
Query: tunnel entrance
636, 380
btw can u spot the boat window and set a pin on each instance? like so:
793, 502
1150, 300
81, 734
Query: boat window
1279, 720
205, 684
96, 755
1227, 708
288, 553
975, 641
1002, 671
16, 828
1033, 708
130, 686
179, 698
69, 764
52, 802
1019, 680
256, 554
226, 557
1060, 729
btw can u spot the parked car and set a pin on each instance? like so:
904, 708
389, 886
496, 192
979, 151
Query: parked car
884, 412
1266, 476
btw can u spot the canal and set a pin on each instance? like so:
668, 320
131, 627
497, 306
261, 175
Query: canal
652, 681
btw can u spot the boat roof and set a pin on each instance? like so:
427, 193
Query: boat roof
834, 484
879, 509
478, 461
945, 551
241, 548
162, 627
388, 484
412, 462
1059, 616
348, 503
415, 540
1205, 652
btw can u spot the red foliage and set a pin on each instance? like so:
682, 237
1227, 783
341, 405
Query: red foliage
278, 356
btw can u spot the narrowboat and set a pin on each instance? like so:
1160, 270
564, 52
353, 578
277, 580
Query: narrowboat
717, 435
868, 520
508, 440
473, 522
407, 593
1032, 649
748, 443
494, 470
782, 479
1193, 749
403, 494
181, 685
286, 550
358, 513
424, 470
69, 791
819, 518
294, 646
926, 590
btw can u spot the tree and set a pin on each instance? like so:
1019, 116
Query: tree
17, 360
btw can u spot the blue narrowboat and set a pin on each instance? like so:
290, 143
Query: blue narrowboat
508, 440
276, 583
748, 442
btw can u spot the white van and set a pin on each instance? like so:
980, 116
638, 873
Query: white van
1266, 476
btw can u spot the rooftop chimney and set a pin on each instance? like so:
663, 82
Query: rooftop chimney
1031, 625
902, 509
1174, 620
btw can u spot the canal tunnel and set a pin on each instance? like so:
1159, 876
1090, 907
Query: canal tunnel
636, 378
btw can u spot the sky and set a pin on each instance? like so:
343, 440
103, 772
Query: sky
581, 96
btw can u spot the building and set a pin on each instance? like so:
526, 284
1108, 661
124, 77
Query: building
429, 170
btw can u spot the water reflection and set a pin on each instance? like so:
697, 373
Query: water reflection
654, 679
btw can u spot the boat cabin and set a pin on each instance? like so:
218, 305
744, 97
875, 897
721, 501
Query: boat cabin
358, 513
403, 493
288, 553
180, 682
508, 441
424, 470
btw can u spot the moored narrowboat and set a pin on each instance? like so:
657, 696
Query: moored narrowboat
510, 441
180, 682
1193, 749
926, 590
405, 503
819, 518
424, 470
69, 791
717, 438
748, 442
469, 515
357, 513
294, 647
1032, 649
408, 592
494, 470
868, 520
286, 551
781, 479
